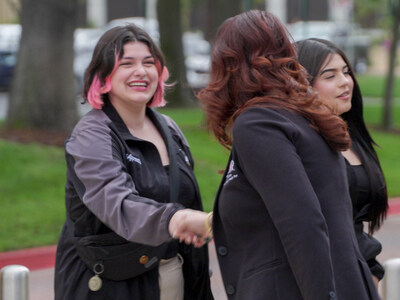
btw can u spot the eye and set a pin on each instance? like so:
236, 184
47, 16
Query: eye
329, 76
149, 62
125, 63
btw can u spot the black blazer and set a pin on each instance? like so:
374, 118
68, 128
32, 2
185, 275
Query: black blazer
283, 223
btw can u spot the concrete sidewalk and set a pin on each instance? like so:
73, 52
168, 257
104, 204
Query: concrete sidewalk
40, 261
41, 281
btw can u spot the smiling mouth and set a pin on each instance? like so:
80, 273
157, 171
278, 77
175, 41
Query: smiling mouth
138, 84
345, 94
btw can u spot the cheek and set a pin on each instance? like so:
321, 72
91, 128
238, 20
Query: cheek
351, 86
325, 90
154, 75
321, 88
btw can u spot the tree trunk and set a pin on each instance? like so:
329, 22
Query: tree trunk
42, 92
388, 98
217, 12
169, 19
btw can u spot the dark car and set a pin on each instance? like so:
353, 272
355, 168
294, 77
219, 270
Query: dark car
7, 63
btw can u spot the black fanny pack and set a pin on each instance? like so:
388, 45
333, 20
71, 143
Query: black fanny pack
112, 257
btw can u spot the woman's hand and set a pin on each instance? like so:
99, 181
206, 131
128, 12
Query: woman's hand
191, 226
376, 281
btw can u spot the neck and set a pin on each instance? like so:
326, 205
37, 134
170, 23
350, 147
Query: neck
133, 117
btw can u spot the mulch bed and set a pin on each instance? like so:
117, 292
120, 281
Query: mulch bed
27, 136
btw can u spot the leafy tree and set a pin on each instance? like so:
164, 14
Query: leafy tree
217, 12
42, 93
388, 98
170, 26
370, 13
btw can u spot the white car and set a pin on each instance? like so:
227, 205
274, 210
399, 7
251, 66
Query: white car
350, 37
10, 35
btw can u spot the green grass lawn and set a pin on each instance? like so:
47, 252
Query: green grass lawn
32, 179
389, 157
373, 112
374, 86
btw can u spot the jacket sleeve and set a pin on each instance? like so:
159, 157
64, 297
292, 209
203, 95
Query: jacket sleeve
370, 249
264, 144
109, 191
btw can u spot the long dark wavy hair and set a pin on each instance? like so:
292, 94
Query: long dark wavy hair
312, 54
253, 63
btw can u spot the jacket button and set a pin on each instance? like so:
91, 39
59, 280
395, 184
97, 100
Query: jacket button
222, 251
144, 259
230, 289
332, 295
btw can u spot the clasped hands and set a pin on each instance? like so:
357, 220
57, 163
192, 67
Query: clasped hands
191, 226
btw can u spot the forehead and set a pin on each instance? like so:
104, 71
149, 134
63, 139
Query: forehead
136, 49
333, 61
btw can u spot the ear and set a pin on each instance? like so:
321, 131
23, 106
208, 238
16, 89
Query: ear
103, 89
107, 86
164, 74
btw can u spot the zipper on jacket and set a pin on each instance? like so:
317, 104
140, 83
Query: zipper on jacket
185, 157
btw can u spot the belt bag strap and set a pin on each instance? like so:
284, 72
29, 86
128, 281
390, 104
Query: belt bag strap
173, 165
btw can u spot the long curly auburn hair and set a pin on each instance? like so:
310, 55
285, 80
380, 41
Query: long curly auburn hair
253, 63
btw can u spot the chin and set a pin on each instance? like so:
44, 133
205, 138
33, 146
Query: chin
345, 110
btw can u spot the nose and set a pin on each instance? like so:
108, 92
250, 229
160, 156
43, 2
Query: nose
345, 79
139, 70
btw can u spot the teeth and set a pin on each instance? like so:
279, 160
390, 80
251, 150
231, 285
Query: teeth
137, 84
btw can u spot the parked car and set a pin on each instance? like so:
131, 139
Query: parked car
196, 50
197, 59
350, 37
85, 40
7, 63
10, 35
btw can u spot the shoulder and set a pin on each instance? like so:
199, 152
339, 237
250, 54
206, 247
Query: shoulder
265, 118
91, 130
267, 114
93, 120
175, 130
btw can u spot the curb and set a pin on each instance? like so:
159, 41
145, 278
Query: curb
45, 257
33, 258
394, 206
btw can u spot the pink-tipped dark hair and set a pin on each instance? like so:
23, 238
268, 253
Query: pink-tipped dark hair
106, 56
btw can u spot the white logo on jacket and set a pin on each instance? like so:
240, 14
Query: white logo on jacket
230, 175
131, 158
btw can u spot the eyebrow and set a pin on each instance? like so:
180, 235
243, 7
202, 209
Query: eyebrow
131, 57
332, 70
